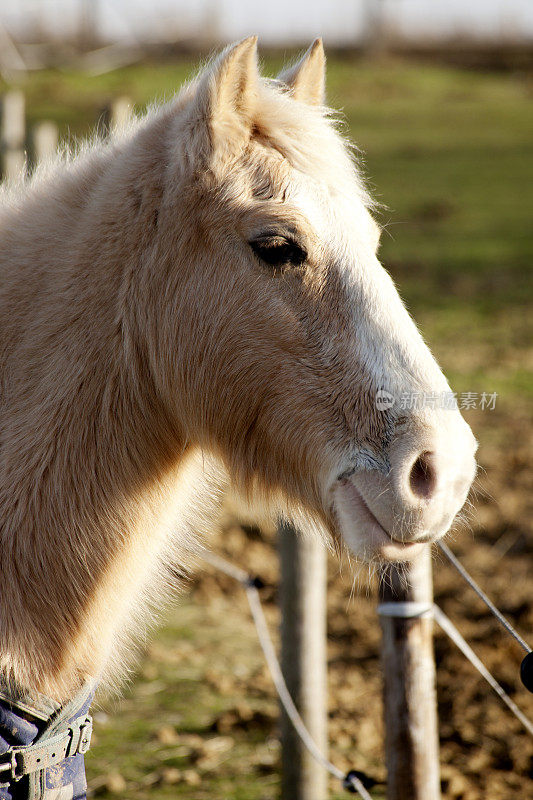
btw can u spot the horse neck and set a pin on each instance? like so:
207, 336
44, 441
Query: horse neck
89, 457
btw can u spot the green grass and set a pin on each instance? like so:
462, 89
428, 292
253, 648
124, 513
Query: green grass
450, 155
201, 704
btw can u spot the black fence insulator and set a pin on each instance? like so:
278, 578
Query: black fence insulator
256, 582
365, 779
526, 671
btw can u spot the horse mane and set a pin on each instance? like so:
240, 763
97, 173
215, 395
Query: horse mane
310, 137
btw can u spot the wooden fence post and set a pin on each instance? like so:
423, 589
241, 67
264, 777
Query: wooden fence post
117, 114
411, 730
44, 139
12, 135
303, 660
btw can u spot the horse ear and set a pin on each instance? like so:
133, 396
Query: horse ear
225, 101
307, 78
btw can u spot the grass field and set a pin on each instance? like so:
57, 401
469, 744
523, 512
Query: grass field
449, 154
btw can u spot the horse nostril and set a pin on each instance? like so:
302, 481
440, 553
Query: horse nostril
422, 478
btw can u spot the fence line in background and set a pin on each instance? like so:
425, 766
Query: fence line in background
18, 149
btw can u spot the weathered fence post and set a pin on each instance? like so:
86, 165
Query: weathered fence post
117, 114
411, 730
12, 135
303, 660
44, 139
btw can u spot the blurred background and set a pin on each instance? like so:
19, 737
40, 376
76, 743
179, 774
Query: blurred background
438, 96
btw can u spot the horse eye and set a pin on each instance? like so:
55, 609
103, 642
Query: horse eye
278, 252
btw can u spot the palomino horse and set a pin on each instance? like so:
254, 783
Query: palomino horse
200, 296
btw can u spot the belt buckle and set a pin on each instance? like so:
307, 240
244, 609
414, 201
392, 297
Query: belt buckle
10, 766
84, 742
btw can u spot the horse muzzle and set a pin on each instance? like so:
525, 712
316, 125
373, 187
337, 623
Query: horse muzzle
391, 514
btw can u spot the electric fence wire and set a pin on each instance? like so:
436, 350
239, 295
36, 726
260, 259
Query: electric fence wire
413, 610
449, 628
454, 561
350, 781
